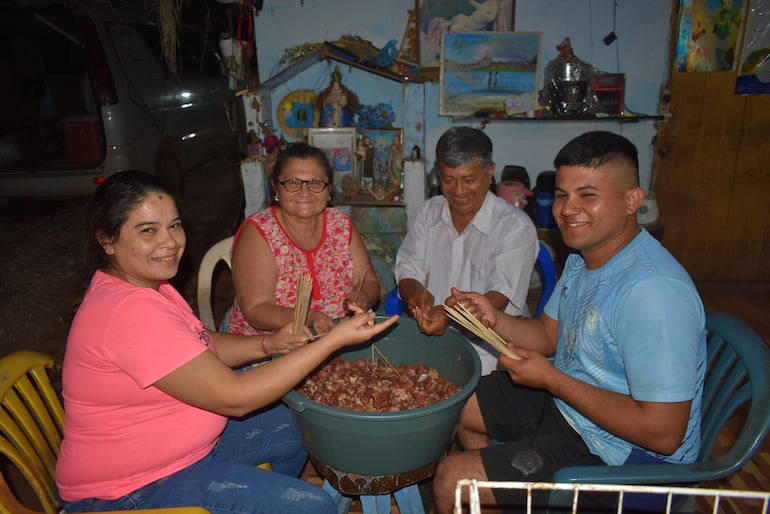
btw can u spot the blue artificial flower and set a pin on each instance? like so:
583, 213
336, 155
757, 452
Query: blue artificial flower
380, 116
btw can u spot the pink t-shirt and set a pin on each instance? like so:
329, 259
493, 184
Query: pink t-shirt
330, 264
120, 432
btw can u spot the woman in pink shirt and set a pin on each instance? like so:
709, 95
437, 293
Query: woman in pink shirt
155, 416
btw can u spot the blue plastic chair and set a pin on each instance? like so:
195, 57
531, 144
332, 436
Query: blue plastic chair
736, 378
545, 261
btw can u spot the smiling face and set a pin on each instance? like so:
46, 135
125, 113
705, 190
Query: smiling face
150, 244
465, 187
303, 203
595, 209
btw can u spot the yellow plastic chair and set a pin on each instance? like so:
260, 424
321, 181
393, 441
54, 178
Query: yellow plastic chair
219, 252
31, 422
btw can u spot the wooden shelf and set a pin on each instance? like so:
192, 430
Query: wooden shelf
328, 51
363, 200
618, 119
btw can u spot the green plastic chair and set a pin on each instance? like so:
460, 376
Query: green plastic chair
736, 379
548, 272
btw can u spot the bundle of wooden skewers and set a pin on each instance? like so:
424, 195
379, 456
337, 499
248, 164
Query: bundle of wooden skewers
302, 302
470, 322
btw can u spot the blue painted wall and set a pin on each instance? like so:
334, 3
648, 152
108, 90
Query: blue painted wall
641, 52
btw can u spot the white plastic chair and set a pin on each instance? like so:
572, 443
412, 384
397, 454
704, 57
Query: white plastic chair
219, 252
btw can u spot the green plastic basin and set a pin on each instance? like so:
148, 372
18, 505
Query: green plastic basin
390, 443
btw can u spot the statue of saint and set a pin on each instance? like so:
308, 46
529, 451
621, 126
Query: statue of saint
337, 104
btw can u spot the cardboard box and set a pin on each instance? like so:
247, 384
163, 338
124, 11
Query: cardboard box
84, 138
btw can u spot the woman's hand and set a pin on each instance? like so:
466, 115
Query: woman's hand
319, 322
285, 341
477, 304
358, 328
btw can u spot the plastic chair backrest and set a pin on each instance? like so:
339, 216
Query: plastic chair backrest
31, 421
736, 378
31, 424
219, 252
545, 260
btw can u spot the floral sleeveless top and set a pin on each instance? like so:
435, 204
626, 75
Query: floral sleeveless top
330, 264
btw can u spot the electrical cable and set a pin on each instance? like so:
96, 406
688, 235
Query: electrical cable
617, 43
591, 33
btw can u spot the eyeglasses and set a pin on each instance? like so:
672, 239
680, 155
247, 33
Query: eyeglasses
314, 185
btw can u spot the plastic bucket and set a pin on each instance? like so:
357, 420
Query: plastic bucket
390, 443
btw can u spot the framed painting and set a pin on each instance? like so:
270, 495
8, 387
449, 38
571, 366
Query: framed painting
754, 69
439, 17
381, 163
339, 144
708, 34
481, 72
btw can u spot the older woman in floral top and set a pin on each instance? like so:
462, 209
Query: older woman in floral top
296, 236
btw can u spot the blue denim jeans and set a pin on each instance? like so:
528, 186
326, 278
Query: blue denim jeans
227, 480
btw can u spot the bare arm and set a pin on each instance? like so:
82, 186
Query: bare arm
237, 350
210, 384
657, 426
364, 275
254, 277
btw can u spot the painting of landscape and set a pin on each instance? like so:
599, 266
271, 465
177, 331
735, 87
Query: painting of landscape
481, 70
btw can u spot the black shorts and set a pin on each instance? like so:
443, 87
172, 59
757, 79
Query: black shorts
532, 438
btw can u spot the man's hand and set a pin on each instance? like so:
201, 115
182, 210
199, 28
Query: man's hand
420, 301
433, 321
475, 303
532, 370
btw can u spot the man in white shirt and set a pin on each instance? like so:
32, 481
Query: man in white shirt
466, 238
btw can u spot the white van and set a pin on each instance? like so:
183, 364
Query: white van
85, 93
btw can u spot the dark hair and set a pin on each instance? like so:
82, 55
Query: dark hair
459, 145
301, 151
594, 149
110, 206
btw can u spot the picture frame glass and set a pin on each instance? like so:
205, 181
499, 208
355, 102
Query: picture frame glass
708, 35
489, 73
339, 145
381, 163
438, 17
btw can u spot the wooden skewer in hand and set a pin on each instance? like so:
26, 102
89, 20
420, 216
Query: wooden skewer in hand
302, 302
463, 316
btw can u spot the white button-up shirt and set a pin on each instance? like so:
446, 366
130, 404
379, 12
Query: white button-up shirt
496, 252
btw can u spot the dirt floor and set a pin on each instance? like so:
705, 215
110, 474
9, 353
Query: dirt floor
41, 255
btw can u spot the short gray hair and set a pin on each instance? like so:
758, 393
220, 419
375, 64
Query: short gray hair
459, 145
